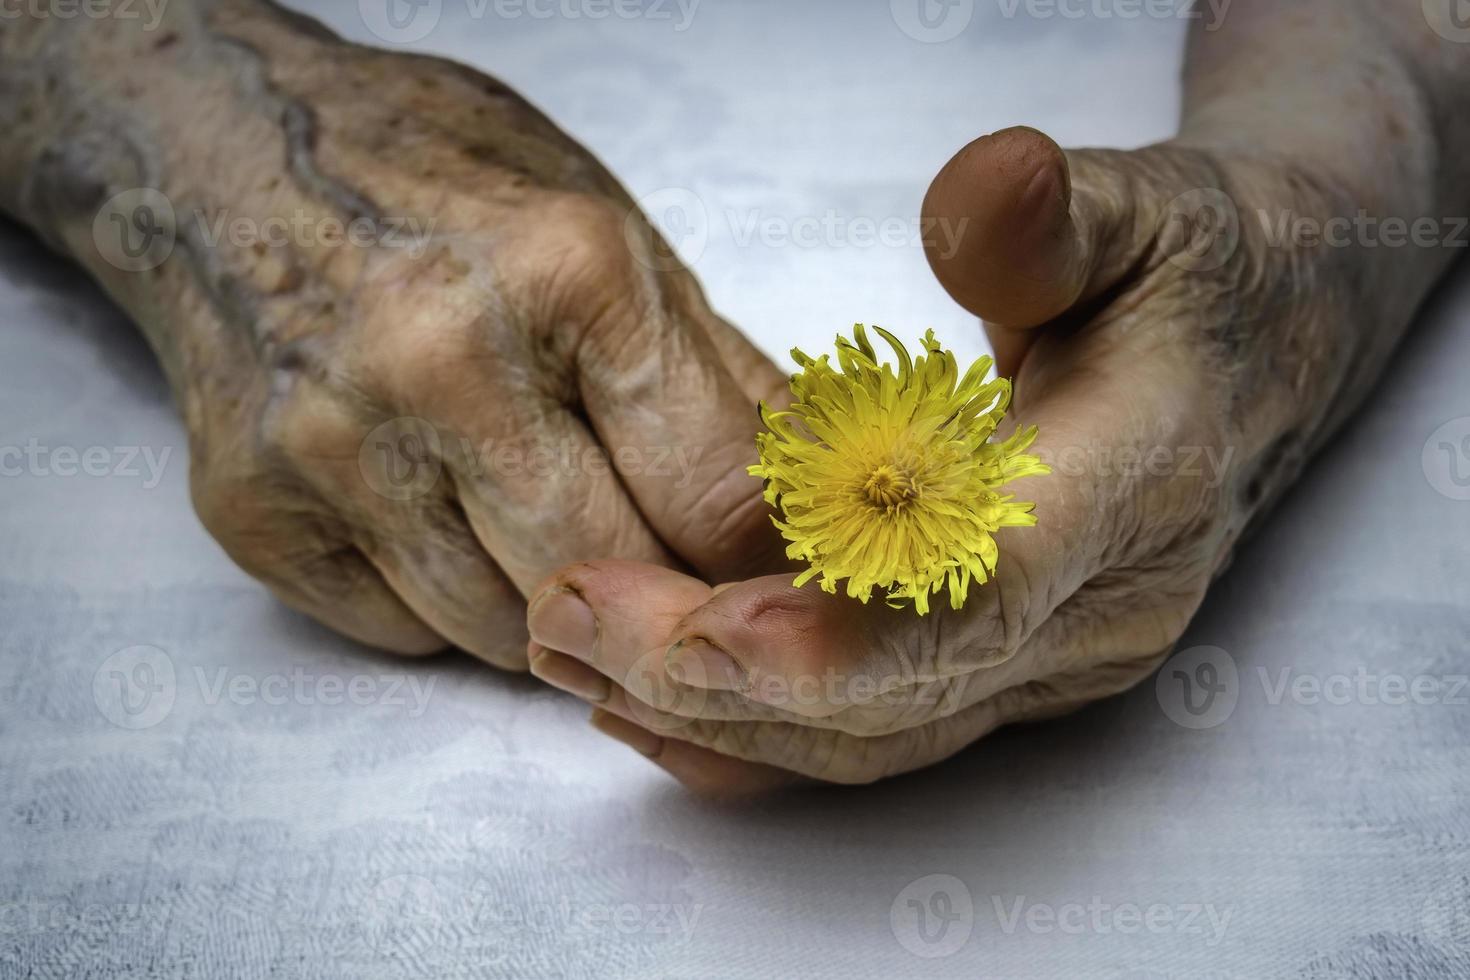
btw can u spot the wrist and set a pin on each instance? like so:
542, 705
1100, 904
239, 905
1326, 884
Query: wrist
1368, 133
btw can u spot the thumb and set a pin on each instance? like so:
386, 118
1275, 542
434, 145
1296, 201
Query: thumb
1018, 238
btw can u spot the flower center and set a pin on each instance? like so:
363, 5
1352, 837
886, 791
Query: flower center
889, 487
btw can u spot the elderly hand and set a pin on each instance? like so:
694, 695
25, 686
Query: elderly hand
1186, 369
426, 348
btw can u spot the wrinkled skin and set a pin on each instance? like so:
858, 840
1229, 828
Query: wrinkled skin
1089, 601
399, 437
1181, 369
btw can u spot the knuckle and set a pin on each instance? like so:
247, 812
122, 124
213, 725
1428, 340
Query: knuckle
910, 652
224, 506
598, 291
795, 625
256, 524
593, 226
308, 426
1016, 597
525, 482
436, 365
587, 237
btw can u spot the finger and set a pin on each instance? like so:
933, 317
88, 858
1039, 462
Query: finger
334, 583
619, 629
674, 389
635, 601
1009, 347
763, 650
842, 757
351, 597
389, 481
823, 753
617, 619
495, 417
568, 674
753, 371
281, 526
433, 533
573, 651
539, 492
437, 566
1018, 236
625, 646
623, 624
706, 772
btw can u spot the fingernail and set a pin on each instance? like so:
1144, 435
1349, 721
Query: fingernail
561, 620
636, 737
696, 662
571, 676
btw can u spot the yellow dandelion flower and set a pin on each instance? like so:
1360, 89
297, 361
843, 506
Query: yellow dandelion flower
889, 479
